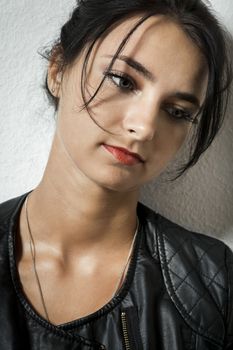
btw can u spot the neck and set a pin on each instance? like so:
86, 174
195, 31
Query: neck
69, 212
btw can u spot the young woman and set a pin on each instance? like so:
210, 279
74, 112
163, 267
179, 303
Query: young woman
83, 264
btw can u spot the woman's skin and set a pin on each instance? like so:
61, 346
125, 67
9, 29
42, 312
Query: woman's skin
83, 212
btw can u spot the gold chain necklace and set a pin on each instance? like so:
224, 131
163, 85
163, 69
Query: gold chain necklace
33, 255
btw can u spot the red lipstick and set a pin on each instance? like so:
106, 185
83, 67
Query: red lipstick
123, 155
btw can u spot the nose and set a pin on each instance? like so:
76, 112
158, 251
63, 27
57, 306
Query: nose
141, 120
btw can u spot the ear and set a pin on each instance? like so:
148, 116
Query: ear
54, 76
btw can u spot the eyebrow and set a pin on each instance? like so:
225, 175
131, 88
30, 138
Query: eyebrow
142, 70
136, 66
188, 97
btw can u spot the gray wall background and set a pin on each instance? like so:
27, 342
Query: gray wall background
202, 200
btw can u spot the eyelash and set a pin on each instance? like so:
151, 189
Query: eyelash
185, 115
120, 75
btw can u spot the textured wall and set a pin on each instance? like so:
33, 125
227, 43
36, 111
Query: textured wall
202, 200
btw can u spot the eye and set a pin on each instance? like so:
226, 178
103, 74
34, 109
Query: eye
181, 114
122, 81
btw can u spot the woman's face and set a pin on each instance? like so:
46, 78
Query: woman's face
145, 106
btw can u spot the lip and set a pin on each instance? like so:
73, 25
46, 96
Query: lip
123, 155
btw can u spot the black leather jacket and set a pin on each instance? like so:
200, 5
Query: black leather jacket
177, 294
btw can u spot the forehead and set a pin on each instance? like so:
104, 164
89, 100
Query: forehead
162, 46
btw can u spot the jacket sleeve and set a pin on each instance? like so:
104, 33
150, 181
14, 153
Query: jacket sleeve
229, 322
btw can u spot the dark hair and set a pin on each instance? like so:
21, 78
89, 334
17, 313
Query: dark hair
93, 18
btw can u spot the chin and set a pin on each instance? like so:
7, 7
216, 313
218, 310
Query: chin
117, 183
119, 186
122, 189
115, 178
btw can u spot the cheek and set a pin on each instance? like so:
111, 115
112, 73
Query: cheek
173, 135
167, 143
181, 134
164, 150
108, 114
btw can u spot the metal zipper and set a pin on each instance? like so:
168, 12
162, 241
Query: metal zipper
125, 331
